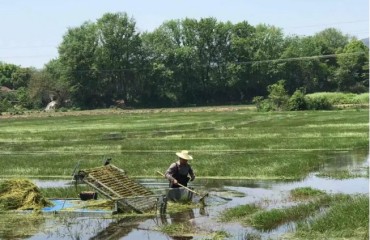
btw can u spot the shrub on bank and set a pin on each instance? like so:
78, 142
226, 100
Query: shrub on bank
335, 98
315, 101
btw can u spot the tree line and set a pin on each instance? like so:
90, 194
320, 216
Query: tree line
184, 62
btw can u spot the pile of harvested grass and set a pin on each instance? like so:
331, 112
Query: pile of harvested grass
21, 194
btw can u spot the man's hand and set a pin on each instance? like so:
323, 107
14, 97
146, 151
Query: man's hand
174, 181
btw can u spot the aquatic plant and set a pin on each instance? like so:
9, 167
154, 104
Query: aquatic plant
305, 193
345, 219
178, 229
270, 219
341, 174
220, 235
239, 213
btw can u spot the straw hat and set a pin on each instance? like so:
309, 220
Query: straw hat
184, 155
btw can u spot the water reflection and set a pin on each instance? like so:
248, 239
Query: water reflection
71, 226
20, 226
185, 218
346, 160
118, 229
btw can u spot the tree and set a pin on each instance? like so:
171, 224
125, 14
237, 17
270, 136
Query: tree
21, 77
239, 79
119, 57
39, 89
161, 52
268, 45
278, 95
6, 72
301, 65
60, 89
277, 100
77, 56
352, 74
330, 40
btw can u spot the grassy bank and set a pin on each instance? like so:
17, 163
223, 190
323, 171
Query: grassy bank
228, 142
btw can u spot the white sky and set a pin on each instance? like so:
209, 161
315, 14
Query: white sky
31, 30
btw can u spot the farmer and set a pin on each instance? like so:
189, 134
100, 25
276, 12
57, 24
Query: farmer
179, 171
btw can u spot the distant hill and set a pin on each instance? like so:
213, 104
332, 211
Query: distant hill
365, 41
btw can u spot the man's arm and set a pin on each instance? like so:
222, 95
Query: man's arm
171, 171
191, 173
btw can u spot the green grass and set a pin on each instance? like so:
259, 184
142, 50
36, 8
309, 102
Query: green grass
239, 213
305, 193
244, 143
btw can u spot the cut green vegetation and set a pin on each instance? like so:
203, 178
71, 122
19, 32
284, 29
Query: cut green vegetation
178, 229
21, 194
174, 207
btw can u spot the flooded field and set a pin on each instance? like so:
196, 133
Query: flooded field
202, 221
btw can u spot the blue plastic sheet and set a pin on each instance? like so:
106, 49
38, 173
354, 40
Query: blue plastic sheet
71, 205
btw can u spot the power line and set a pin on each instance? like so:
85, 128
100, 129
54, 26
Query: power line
241, 63
291, 27
29, 56
25, 47
329, 24
302, 58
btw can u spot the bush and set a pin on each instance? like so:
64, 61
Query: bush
278, 96
319, 103
262, 105
5, 105
297, 102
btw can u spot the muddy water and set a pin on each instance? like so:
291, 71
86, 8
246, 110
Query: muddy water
223, 194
